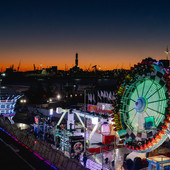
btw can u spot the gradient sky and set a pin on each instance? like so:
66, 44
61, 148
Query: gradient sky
108, 33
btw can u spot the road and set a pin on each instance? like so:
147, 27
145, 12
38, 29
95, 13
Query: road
14, 156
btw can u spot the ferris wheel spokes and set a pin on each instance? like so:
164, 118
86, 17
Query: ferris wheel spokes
143, 88
155, 110
141, 122
133, 118
132, 100
155, 92
157, 101
149, 88
131, 110
137, 91
147, 114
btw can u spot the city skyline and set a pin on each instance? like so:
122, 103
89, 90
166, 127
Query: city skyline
108, 34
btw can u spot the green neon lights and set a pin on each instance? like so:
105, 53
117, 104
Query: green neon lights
143, 98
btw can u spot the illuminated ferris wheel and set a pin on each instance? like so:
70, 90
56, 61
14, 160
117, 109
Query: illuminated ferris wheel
142, 110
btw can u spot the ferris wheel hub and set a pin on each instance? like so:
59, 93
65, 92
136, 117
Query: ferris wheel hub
140, 105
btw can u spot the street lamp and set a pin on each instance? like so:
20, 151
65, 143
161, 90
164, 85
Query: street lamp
50, 100
58, 96
3, 74
23, 101
84, 121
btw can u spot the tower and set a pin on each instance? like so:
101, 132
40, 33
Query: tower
167, 52
76, 60
166, 61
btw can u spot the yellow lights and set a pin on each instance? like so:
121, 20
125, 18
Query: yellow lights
58, 96
50, 100
23, 101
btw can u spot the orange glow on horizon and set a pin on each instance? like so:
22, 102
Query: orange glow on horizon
106, 59
85, 68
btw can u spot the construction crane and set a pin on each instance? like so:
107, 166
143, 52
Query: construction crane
12, 67
95, 67
34, 67
19, 65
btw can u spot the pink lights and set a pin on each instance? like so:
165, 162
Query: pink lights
37, 155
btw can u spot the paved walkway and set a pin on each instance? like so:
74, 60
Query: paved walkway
116, 155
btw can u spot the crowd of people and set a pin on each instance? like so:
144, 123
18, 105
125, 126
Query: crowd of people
135, 164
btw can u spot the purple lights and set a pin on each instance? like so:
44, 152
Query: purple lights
92, 165
38, 155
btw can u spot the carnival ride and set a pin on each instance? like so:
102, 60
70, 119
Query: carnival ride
95, 129
142, 107
8, 99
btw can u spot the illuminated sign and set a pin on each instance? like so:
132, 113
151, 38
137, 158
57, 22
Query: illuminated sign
92, 108
101, 108
36, 120
51, 112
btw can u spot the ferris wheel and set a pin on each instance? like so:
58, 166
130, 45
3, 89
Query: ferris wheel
142, 112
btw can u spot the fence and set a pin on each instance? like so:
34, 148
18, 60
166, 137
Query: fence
41, 148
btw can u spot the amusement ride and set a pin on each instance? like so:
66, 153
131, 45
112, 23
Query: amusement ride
142, 107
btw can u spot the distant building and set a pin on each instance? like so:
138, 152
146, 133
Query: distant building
51, 70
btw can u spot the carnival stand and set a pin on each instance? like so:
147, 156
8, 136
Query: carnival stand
159, 162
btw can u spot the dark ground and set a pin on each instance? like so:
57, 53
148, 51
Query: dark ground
21, 158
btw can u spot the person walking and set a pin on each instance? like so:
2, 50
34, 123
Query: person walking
84, 159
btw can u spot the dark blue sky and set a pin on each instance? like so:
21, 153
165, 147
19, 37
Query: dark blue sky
107, 33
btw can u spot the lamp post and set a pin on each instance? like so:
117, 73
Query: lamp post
58, 96
0, 85
84, 121
102, 155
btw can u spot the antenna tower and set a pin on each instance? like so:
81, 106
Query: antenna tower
167, 52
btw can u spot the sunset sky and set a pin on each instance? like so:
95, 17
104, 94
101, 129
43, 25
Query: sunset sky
108, 33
